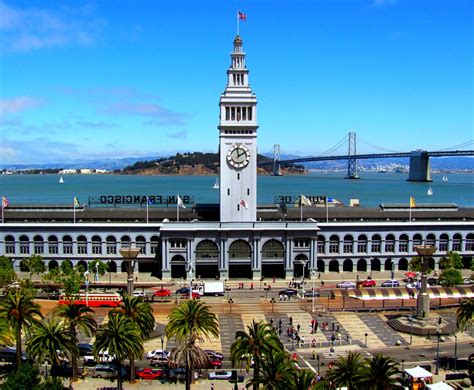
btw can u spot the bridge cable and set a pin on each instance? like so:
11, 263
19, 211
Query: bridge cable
366, 142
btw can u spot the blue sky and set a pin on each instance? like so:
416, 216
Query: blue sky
142, 78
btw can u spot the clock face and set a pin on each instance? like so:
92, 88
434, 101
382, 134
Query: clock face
238, 156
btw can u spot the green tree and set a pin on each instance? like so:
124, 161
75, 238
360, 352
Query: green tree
415, 264
450, 277
49, 336
303, 380
453, 260
25, 378
141, 313
101, 267
259, 343
349, 371
121, 338
7, 338
67, 277
33, 264
21, 313
190, 322
77, 317
7, 273
464, 314
277, 372
383, 373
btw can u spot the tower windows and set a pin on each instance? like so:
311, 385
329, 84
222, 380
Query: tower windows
232, 115
248, 191
228, 191
238, 113
238, 207
227, 113
238, 176
244, 113
250, 113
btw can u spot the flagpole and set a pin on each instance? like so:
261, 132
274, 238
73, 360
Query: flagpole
146, 210
3, 215
409, 217
177, 209
237, 22
74, 210
301, 207
327, 210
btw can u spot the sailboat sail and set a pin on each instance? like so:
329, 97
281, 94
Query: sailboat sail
430, 191
216, 184
61, 180
445, 178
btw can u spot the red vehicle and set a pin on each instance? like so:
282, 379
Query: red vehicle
369, 283
93, 300
196, 295
164, 292
215, 363
149, 373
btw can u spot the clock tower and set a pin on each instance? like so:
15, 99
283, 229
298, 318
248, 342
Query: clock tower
238, 143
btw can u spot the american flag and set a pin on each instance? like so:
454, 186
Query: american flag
244, 204
5, 202
242, 16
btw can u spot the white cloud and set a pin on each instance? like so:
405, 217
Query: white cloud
18, 104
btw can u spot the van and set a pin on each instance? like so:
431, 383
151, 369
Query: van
104, 371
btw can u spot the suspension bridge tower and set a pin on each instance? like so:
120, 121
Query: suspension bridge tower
276, 160
351, 158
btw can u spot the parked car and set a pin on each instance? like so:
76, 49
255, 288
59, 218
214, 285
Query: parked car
104, 357
391, 283
346, 285
180, 374
139, 294
159, 361
8, 354
288, 292
215, 363
65, 370
432, 281
369, 283
149, 373
213, 375
104, 371
164, 292
196, 295
214, 355
410, 285
310, 294
182, 290
467, 281
157, 353
84, 349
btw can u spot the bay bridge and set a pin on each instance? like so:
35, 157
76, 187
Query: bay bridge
419, 159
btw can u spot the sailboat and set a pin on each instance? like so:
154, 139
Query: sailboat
216, 184
430, 191
61, 180
445, 178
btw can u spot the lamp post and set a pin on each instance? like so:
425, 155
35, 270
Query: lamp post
129, 255
313, 276
190, 270
392, 271
455, 351
86, 281
403, 364
97, 272
438, 335
109, 271
272, 301
366, 334
162, 352
227, 288
423, 299
231, 301
318, 358
411, 319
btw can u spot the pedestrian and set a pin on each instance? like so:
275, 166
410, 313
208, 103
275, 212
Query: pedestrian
271, 321
302, 341
319, 276
291, 320
251, 286
281, 297
333, 326
322, 283
337, 329
280, 323
273, 279
313, 343
333, 339
212, 386
298, 327
313, 354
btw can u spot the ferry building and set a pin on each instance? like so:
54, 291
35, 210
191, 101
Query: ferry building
238, 238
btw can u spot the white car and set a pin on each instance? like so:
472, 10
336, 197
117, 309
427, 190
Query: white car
346, 285
213, 375
104, 357
157, 353
139, 294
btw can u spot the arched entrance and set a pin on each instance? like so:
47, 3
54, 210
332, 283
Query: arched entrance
375, 265
53, 264
273, 259
240, 260
362, 265
347, 266
82, 264
431, 263
403, 264
321, 266
207, 260
178, 267
301, 266
112, 266
388, 265
333, 266
147, 266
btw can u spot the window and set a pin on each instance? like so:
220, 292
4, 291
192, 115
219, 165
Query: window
376, 243
403, 243
9, 245
334, 244
232, 113
443, 243
111, 245
228, 191
180, 243
207, 249
154, 245
82, 245
457, 241
140, 242
238, 176
67, 245
301, 242
24, 245
321, 244
250, 113
417, 240
348, 245
362, 244
470, 242
38, 245
390, 243
96, 245
52, 245
248, 191
227, 115
273, 249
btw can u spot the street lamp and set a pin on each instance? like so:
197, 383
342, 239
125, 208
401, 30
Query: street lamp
366, 334
403, 364
86, 281
411, 319
455, 351
231, 301
97, 272
162, 337
392, 271
318, 358
190, 270
313, 276
129, 255
109, 271
272, 302
423, 299
438, 335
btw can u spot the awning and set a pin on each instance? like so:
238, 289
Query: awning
439, 386
418, 372
379, 294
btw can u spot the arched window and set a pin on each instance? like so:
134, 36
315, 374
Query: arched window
240, 249
67, 245
140, 242
24, 245
403, 243
443, 242
417, 240
273, 249
390, 243
82, 265
125, 242
362, 244
82, 245
470, 242
321, 244
348, 246
53, 245
403, 264
376, 243
154, 240
38, 245
334, 244
207, 249
111, 245
457, 242
10, 245
96, 245
430, 239
362, 265
347, 266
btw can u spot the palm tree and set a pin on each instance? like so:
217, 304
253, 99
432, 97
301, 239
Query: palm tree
121, 338
303, 380
47, 338
189, 323
141, 313
278, 371
20, 312
349, 371
382, 373
77, 317
464, 314
7, 337
259, 343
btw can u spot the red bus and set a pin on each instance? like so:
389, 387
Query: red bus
94, 300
